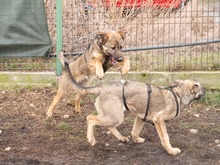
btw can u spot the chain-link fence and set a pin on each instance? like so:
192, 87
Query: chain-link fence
162, 35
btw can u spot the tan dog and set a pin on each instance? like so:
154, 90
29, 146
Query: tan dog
146, 102
105, 51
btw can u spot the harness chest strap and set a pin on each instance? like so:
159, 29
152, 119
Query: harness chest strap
149, 90
123, 96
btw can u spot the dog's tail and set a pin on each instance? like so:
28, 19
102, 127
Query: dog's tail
78, 87
62, 58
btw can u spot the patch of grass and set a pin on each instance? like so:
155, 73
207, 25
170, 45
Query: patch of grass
94, 113
184, 125
64, 126
211, 98
215, 66
28, 64
129, 120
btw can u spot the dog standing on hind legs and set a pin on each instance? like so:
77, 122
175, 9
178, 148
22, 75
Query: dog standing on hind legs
145, 101
104, 52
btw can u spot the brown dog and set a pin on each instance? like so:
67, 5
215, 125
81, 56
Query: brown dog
105, 51
145, 101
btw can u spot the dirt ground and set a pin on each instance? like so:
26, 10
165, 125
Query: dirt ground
33, 139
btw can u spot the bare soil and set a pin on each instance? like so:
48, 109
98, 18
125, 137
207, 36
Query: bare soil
33, 139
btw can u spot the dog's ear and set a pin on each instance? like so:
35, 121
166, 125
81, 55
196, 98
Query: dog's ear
195, 88
178, 81
122, 32
103, 37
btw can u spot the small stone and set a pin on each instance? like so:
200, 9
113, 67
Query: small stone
217, 141
3, 92
66, 116
193, 131
106, 144
109, 132
8, 149
196, 115
0, 132
32, 105
207, 109
24, 148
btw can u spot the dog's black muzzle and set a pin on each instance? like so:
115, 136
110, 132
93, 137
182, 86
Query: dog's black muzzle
119, 59
116, 59
203, 91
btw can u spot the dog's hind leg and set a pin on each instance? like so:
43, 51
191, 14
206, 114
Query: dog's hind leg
78, 98
62, 90
162, 132
56, 100
102, 121
117, 134
138, 125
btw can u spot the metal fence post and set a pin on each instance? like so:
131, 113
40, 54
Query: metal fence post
59, 37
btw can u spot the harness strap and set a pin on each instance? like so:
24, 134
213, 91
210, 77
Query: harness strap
149, 90
176, 100
104, 64
123, 96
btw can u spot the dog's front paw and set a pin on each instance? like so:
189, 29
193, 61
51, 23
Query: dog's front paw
174, 151
100, 75
138, 140
124, 139
49, 114
126, 66
124, 70
92, 141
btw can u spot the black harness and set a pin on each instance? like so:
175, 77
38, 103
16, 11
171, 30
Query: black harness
149, 91
176, 100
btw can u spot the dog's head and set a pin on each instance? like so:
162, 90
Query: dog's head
196, 89
111, 44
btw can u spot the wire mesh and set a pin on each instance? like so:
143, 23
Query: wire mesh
149, 23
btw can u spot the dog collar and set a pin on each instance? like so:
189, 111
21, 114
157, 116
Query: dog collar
123, 96
176, 100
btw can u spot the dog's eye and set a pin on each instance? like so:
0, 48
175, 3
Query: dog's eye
113, 47
195, 85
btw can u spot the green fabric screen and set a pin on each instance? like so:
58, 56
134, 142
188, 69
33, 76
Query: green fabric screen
23, 29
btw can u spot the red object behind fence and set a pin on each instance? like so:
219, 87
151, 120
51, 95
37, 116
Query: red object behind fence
142, 3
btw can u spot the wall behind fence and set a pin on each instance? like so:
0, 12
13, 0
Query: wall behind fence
148, 25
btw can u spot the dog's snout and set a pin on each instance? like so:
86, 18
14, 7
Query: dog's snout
119, 59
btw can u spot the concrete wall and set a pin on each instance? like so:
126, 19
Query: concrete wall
211, 80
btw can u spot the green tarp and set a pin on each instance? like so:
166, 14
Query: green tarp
23, 29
